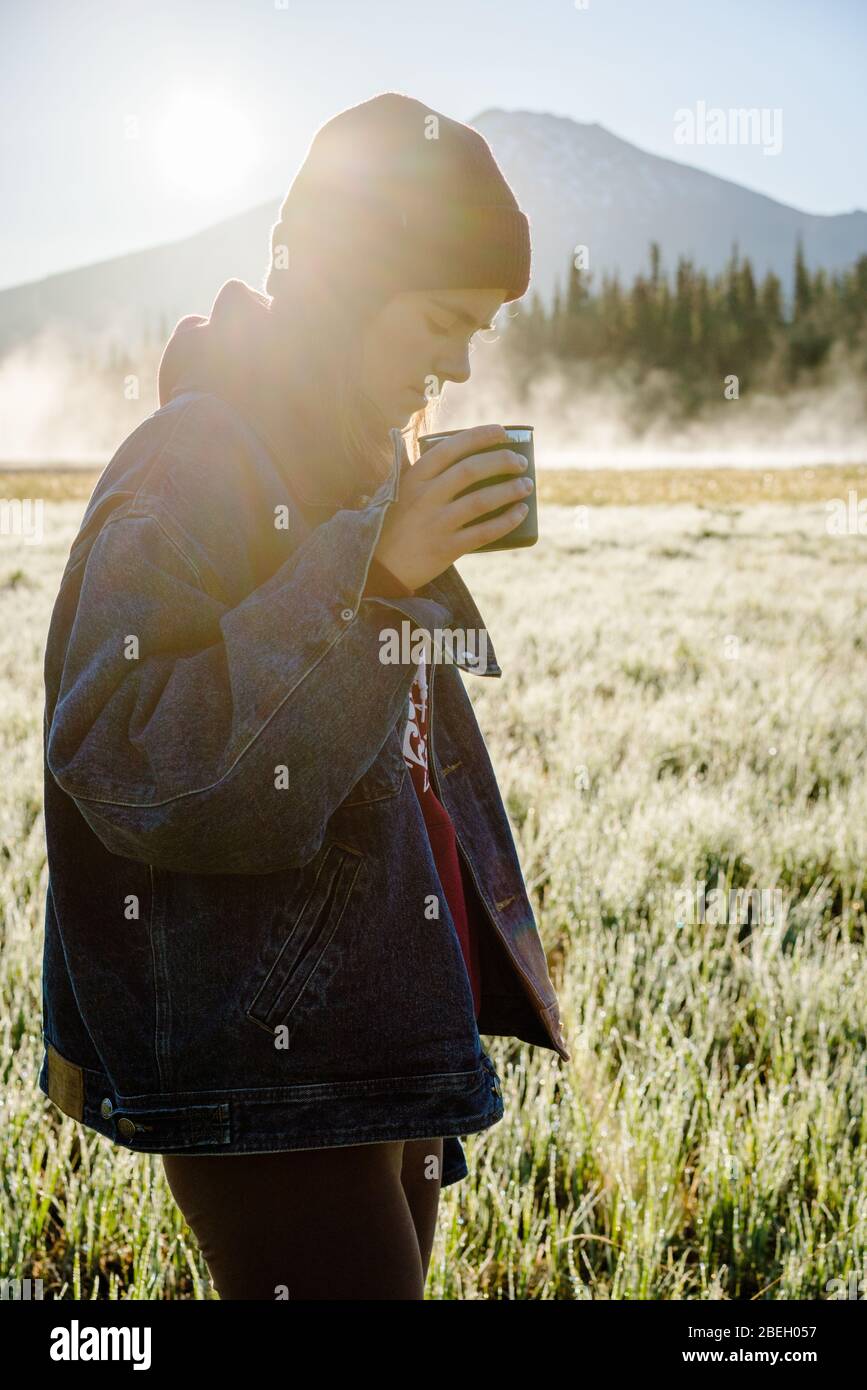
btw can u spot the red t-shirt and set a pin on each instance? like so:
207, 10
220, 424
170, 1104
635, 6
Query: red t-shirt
441, 833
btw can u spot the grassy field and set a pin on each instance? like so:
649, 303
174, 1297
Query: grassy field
682, 703
568, 487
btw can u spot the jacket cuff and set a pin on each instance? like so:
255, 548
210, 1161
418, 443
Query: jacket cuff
381, 582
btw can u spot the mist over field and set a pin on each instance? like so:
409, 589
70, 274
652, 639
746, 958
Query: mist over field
582, 422
56, 407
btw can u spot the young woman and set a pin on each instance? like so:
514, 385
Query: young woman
284, 900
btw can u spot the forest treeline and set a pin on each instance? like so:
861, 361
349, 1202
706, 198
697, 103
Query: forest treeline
698, 330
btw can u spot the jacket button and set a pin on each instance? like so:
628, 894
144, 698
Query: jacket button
126, 1127
106, 1109
347, 615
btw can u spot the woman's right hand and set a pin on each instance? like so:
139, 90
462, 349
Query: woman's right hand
426, 529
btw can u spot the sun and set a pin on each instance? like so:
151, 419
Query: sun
203, 143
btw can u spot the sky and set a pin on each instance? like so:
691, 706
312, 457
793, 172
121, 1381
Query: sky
126, 124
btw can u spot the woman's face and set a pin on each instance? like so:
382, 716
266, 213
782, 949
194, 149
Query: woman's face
417, 342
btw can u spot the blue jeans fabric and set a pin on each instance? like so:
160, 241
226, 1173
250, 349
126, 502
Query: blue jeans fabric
454, 1161
237, 957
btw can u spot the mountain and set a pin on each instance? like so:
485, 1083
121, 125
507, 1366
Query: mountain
578, 183
144, 291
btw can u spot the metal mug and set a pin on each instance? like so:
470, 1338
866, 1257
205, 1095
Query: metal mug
521, 442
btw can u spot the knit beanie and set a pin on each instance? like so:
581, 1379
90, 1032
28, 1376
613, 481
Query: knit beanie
393, 196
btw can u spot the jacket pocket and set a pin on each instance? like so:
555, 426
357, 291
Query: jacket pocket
384, 777
334, 871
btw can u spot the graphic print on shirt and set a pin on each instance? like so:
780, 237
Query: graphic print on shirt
414, 735
441, 833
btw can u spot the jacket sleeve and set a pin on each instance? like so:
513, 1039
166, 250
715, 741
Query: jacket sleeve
381, 581
211, 739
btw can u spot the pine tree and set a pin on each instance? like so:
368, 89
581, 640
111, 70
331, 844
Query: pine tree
577, 337
803, 296
700, 329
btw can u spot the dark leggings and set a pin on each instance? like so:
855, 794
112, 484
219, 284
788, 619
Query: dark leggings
346, 1223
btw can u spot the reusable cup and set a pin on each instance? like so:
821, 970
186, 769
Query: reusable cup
520, 442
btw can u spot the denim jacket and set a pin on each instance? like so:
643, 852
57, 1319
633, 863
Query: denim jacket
246, 944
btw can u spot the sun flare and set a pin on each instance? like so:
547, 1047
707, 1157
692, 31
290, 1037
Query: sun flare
203, 143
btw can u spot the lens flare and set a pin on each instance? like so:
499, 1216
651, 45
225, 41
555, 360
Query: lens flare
204, 144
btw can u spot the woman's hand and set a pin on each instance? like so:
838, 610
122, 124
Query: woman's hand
422, 533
